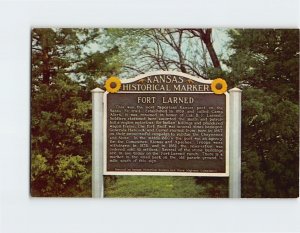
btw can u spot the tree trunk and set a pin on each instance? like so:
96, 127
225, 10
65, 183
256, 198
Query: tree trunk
46, 72
205, 36
213, 55
46, 65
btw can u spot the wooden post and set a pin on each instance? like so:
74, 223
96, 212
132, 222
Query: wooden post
235, 143
97, 143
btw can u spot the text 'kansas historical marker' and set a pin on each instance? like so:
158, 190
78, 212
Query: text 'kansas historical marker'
166, 123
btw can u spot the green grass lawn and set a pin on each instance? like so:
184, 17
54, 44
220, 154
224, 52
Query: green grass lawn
165, 186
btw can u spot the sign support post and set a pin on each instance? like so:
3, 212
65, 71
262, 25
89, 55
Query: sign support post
235, 143
97, 143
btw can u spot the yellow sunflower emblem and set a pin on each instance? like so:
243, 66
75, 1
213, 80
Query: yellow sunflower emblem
219, 86
113, 84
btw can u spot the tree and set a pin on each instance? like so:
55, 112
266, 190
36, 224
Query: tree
265, 64
64, 70
186, 50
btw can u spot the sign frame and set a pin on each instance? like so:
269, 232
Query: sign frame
197, 79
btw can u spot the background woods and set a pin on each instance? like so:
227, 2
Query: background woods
64, 70
68, 63
265, 64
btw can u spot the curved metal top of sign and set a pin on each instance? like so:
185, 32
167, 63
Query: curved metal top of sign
175, 73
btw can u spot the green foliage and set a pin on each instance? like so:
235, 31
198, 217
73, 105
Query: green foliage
64, 71
265, 64
38, 166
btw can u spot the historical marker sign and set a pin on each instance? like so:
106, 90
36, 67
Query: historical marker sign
166, 123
